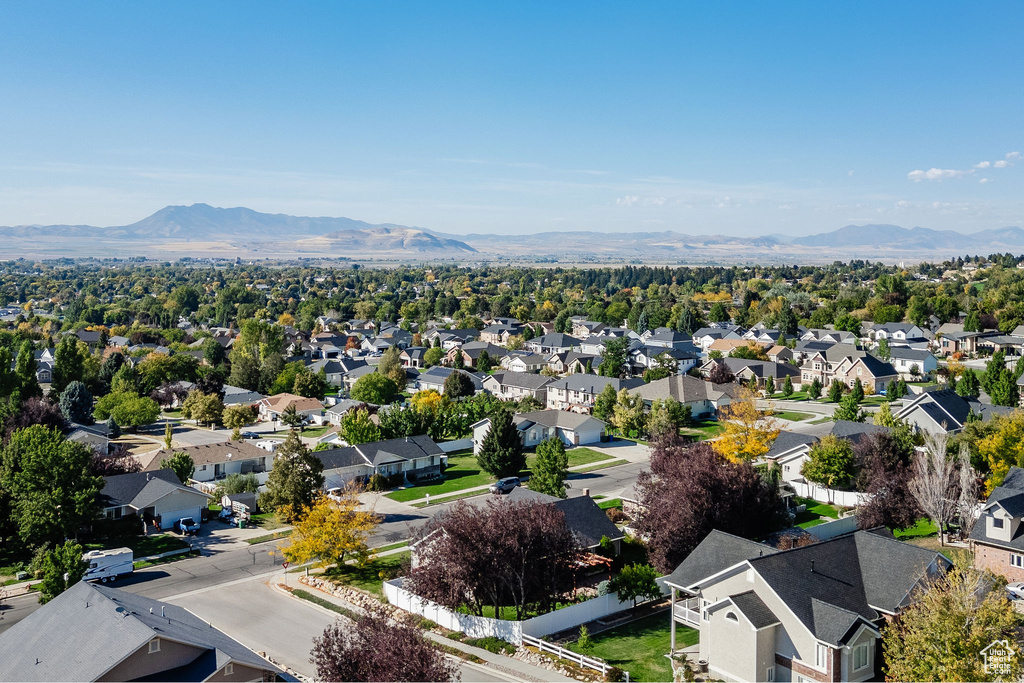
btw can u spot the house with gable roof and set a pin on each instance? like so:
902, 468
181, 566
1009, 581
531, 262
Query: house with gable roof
812, 613
155, 495
997, 538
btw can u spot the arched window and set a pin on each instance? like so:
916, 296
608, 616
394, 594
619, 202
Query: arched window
731, 616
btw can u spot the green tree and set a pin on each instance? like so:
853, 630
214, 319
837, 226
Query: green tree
28, 383
614, 357
67, 364
551, 468
718, 314
1004, 391
237, 416
356, 427
939, 635
374, 388
830, 463
858, 391
168, 435
391, 367
501, 452
8, 375
311, 384
239, 483
814, 391
636, 581
48, 481
848, 409
203, 408
835, 391
181, 464
604, 404
968, 385
76, 403
483, 363
458, 385
432, 356
884, 352
63, 567
295, 481
787, 387
667, 416
628, 416
769, 386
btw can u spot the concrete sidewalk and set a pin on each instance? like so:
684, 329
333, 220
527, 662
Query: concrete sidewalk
505, 665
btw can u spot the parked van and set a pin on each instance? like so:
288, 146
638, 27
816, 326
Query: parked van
107, 565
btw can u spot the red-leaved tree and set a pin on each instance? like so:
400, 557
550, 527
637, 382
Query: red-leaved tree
692, 490
886, 471
508, 553
374, 649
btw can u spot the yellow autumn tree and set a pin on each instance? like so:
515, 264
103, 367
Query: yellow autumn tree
332, 531
426, 401
749, 432
1004, 447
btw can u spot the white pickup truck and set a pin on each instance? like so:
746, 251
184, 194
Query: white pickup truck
107, 565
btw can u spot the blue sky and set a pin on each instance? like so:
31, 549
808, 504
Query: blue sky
735, 118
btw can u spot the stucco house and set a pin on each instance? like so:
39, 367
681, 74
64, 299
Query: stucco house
215, 461
997, 537
812, 613
791, 450
578, 392
515, 386
704, 398
903, 359
97, 633
273, 407
574, 429
153, 496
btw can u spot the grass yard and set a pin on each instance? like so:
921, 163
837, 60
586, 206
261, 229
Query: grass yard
816, 513
601, 466
463, 472
269, 537
932, 543
392, 546
795, 396
453, 497
792, 415
368, 578
613, 503
267, 521
704, 429
923, 528
144, 546
640, 647
577, 456
821, 421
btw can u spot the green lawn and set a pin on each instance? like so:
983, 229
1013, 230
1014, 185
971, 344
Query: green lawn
816, 513
704, 429
452, 497
793, 415
144, 546
463, 472
577, 456
924, 527
613, 503
601, 466
368, 578
392, 546
269, 537
640, 647
267, 521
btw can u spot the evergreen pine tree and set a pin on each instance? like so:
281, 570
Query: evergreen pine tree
501, 452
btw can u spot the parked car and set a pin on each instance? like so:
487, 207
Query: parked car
250, 435
504, 485
1016, 590
187, 526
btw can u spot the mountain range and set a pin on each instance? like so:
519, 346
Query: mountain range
203, 230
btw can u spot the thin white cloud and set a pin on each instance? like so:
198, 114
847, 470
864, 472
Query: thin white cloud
936, 174
1014, 156
1001, 164
984, 180
983, 164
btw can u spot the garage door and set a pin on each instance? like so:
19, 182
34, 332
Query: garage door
170, 517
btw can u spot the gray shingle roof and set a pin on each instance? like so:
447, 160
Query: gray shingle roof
380, 452
754, 609
555, 418
122, 489
594, 384
522, 380
582, 515
718, 551
87, 630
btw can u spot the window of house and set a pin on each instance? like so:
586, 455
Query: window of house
731, 616
704, 610
821, 656
202, 468
154, 645
860, 656
229, 669
769, 674
997, 522
1017, 560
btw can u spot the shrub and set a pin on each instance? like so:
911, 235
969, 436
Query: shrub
377, 482
427, 624
614, 674
492, 644
616, 515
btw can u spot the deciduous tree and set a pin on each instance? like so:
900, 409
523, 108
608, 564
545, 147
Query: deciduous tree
830, 463
933, 482
636, 581
357, 427
182, 465
332, 531
374, 388
295, 481
749, 432
458, 385
63, 567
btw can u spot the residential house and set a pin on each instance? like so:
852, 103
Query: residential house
97, 633
726, 347
706, 336
904, 359
829, 336
791, 450
813, 613
574, 429
555, 342
1011, 344
668, 339
449, 339
644, 357
847, 364
780, 354
936, 412
236, 396
594, 345
153, 496
413, 458
515, 386
470, 353
572, 362
997, 538
215, 461
959, 342
585, 519
500, 333
90, 337
95, 437
581, 329
434, 377
412, 357
704, 398
337, 411
899, 332
334, 369
578, 392
523, 361
761, 370
273, 407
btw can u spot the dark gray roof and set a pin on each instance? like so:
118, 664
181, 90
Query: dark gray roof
828, 585
559, 339
524, 380
437, 374
588, 522
877, 368
1010, 496
594, 384
380, 452
788, 440
87, 630
907, 353
754, 609
944, 406
717, 552
122, 489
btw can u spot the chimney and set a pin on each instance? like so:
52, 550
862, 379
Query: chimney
586, 492
162, 610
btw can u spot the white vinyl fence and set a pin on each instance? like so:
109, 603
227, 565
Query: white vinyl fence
822, 495
584, 661
512, 631
836, 527
457, 445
